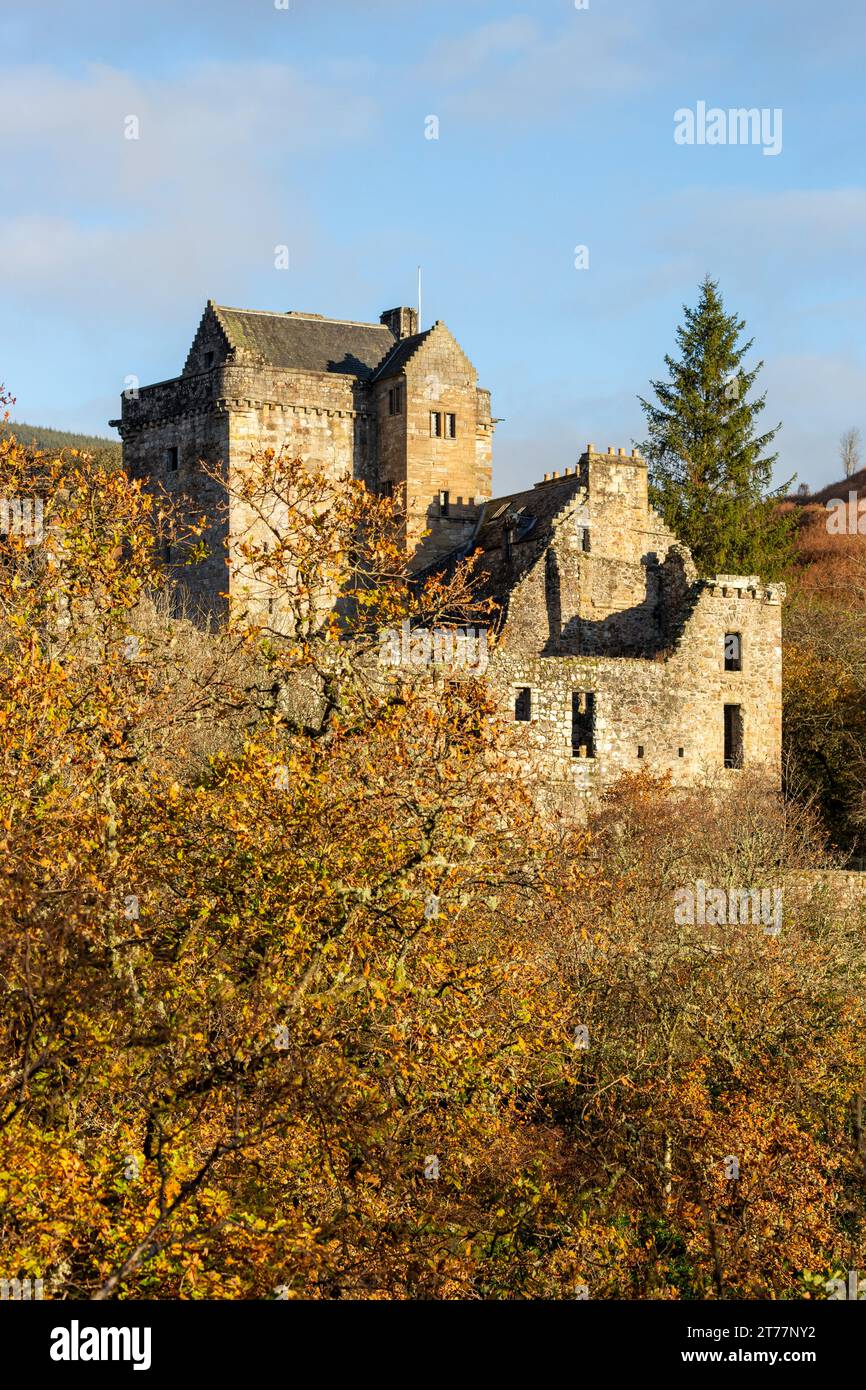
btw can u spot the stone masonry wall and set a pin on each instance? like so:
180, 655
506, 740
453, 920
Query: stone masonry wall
223, 414
440, 378
628, 622
664, 714
185, 415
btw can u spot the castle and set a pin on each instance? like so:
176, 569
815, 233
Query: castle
613, 655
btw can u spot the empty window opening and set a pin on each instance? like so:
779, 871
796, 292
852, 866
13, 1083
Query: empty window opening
209, 359
584, 540
450, 426
388, 489
444, 503
583, 724
523, 703
733, 652
435, 424
640, 750
681, 752
173, 457
733, 736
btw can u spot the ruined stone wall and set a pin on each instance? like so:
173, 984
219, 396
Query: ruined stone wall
607, 592
664, 714
620, 596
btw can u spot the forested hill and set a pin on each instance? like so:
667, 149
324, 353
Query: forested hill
50, 439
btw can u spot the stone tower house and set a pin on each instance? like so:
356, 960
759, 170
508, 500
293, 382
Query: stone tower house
398, 408
612, 655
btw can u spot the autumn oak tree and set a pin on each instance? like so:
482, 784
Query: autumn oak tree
301, 996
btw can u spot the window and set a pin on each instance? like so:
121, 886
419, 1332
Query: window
444, 503
733, 736
435, 424
388, 489
583, 724
584, 540
523, 704
640, 750
173, 458
681, 752
209, 359
395, 399
450, 426
733, 652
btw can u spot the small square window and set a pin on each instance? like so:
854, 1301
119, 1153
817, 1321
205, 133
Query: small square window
450, 426
173, 458
733, 652
435, 424
523, 704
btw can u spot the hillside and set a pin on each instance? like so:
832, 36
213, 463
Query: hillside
50, 439
856, 483
824, 666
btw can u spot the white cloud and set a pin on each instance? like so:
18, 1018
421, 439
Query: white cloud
212, 182
512, 70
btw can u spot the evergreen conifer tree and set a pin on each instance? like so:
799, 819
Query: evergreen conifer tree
710, 477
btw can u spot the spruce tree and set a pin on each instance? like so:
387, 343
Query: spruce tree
710, 477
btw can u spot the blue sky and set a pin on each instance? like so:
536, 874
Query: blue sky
305, 126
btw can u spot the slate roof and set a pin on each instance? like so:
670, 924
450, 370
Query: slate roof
306, 343
400, 353
535, 508
538, 505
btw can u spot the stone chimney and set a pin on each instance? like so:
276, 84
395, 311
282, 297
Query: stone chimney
402, 322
